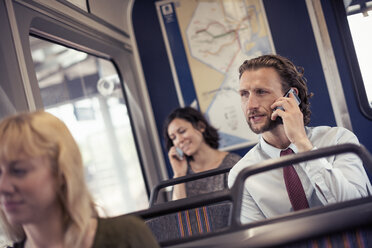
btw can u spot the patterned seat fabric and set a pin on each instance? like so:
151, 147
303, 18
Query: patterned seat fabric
190, 222
356, 238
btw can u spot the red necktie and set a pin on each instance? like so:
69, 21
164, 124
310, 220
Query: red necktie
294, 186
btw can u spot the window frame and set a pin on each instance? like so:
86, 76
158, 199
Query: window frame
351, 57
55, 26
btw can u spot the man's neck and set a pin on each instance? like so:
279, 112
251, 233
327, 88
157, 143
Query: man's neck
277, 137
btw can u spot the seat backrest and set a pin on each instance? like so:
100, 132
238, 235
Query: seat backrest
181, 224
211, 218
353, 238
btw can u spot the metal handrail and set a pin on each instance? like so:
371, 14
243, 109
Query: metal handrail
234, 195
155, 191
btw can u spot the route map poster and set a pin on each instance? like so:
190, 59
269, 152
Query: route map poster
206, 42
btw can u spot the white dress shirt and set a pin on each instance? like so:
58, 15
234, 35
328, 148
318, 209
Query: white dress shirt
326, 180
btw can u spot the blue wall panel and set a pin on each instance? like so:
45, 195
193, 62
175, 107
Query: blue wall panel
293, 38
155, 64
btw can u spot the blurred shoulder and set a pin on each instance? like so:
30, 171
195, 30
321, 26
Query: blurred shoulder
123, 231
123, 222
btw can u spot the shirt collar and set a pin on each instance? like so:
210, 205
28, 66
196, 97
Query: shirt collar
272, 151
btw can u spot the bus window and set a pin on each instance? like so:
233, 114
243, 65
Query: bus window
359, 24
86, 93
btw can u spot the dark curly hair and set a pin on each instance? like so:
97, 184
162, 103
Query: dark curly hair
196, 119
291, 76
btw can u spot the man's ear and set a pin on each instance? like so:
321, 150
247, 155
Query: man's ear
201, 126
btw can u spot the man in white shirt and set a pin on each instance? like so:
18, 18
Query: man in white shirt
263, 83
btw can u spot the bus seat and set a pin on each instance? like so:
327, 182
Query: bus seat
211, 218
353, 238
181, 224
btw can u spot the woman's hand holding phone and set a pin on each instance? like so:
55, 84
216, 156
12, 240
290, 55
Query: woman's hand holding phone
178, 161
179, 153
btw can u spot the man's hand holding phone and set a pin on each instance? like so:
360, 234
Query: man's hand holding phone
285, 105
178, 161
287, 108
293, 92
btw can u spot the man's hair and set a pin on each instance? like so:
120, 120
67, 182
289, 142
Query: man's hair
40, 134
291, 76
197, 120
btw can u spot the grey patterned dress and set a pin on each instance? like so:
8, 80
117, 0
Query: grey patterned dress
211, 184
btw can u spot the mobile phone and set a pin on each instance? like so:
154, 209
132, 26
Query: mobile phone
298, 100
179, 153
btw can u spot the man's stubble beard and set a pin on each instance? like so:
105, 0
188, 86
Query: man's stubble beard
269, 125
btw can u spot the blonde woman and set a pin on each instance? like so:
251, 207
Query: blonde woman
44, 199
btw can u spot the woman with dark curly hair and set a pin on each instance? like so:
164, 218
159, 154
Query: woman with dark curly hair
192, 145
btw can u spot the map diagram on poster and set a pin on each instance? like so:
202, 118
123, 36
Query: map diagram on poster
216, 36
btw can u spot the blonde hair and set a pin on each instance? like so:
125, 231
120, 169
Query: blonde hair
42, 134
